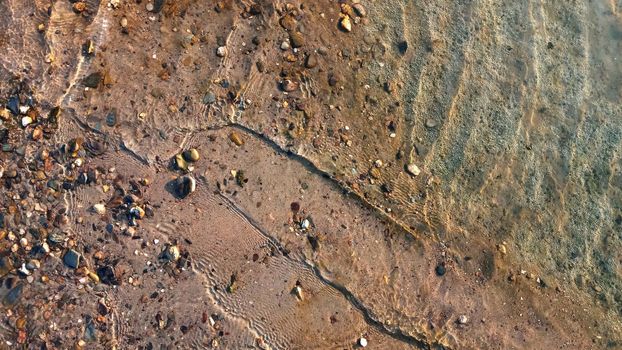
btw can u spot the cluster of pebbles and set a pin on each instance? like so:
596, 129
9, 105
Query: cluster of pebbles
40, 252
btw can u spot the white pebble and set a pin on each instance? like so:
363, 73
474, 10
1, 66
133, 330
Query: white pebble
305, 224
149, 7
362, 342
413, 169
99, 208
26, 121
221, 51
463, 319
285, 45
23, 109
23, 270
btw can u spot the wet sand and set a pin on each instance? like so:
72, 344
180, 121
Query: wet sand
310, 228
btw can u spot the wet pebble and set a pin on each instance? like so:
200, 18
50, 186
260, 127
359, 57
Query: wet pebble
191, 155
184, 185
362, 342
440, 269
26, 121
430, 123
209, 98
360, 10
72, 258
107, 275
297, 39
99, 208
289, 85
180, 162
311, 61
345, 23
288, 22
111, 119
79, 6
13, 105
13, 296
171, 253
236, 138
92, 80
413, 169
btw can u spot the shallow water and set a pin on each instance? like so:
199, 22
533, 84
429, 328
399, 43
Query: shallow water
510, 110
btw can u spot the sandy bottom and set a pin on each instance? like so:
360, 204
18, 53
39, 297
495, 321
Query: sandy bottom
442, 175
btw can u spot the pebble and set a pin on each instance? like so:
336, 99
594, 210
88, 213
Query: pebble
111, 119
92, 80
72, 258
209, 98
13, 296
79, 6
502, 249
311, 61
463, 319
180, 162
123, 22
149, 7
37, 133
298, 292
285, 45
305, 224
289, 85
33, 264
99, 208
221, 51
191, 155
236, 138
288, 22
360, 10
107, 275
346, 24
296, 39
362, 342
137, 212
94, 277
440, 269
26, 121
171, 253
5, 113
413, 170
430, 123
13, 105
23, 270
184, 185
